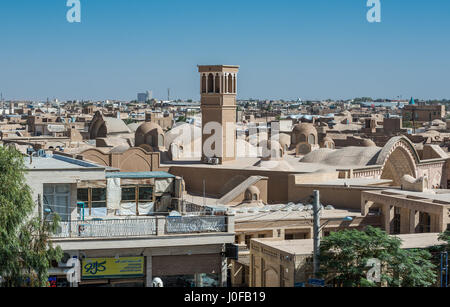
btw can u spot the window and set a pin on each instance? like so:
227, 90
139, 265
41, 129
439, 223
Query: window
289, 236
210, 83
83, 195
98, 198
128, 194
145, 194
217, 83
94, 201
57, 201
141, 195
295, 236
203, 84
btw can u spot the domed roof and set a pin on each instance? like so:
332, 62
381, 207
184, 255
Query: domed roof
253, 190
120, 148
304, 128
345, 113
115, 125
368, 143
147, 127
271, 148
146, 147
133, 126
285, 139
437, 122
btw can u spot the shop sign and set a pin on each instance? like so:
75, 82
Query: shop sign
124, 267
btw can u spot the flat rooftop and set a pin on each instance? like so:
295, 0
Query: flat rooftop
420, 240
58, 162
306, 246
274, 213
140, 175
293, 247
440, 195
352, 182
245, 163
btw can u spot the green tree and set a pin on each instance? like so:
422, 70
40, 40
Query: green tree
445, 236
345, 255
181, 119
25, 250
129, 121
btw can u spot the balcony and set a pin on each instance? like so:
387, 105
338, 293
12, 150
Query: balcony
144, 227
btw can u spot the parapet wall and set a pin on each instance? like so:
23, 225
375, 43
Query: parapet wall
340, 197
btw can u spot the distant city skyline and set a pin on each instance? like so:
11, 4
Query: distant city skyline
286, 49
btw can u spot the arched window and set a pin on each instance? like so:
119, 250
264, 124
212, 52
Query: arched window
224, 83
230, 83
210, 83
217, 83
311, 139
234, 84
203, 84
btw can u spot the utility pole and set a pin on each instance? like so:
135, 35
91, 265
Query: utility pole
444, 269
316, 232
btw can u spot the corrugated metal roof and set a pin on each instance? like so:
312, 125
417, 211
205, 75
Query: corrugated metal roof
139, 175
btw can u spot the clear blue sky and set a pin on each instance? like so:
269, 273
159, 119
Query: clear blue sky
286, 48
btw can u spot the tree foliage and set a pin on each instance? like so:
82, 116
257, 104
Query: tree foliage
345, 255
445, 236
25, 249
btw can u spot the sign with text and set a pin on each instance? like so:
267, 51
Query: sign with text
100, 268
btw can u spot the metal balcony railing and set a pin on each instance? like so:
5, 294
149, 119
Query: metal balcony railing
196, 224
153, 226
107, 228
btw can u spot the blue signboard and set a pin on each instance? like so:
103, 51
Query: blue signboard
299, 285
